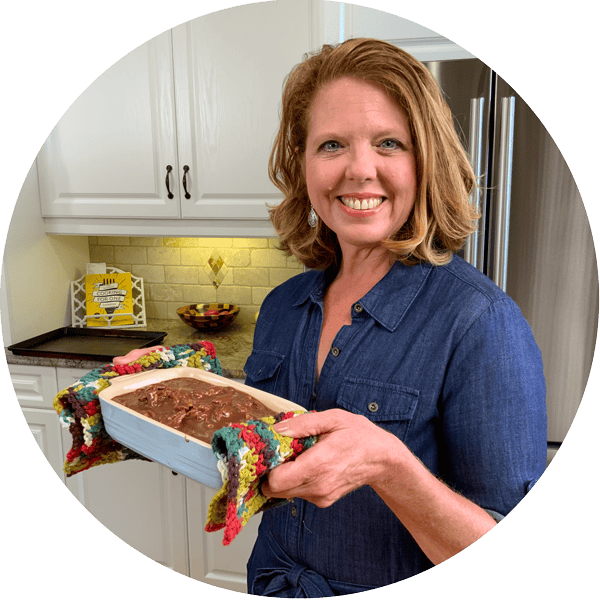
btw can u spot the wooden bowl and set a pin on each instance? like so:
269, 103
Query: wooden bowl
195, 315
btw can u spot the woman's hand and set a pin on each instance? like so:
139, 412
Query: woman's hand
351, 452
134, 355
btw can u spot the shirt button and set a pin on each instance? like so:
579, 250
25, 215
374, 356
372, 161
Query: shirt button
358, 308
373, 407
335, 351
294, 511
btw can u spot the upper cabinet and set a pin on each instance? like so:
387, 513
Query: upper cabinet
178, 130
108, 154
342, 21
228, 81
175, 138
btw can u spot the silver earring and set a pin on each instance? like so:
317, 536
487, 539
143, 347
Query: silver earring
313, 219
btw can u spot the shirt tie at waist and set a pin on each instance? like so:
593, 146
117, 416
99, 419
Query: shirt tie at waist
272, 572
291, 581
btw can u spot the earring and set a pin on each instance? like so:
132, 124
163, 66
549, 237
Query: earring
313, 219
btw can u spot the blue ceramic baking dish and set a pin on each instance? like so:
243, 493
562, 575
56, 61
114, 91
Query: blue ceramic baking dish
181, 453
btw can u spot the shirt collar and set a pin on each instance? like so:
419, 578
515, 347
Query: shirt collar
388, 301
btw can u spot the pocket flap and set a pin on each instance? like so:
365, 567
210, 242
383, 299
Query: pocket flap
377, 400
262, 364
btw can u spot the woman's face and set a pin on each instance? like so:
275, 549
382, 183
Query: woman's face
359, 162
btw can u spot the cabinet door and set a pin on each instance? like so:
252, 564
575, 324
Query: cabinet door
210, 561
35, 388
46, 431
229, 70
108, 155
141, 502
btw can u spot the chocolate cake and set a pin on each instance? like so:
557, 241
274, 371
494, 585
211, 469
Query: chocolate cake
192, 406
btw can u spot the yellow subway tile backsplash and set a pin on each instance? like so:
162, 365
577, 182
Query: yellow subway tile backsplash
149, 273
195, 256
164, 292
164, 256
176, 271
130, 255
250, 243
113, 241
198, 294
144, 241
252, 277
174, 274
267, 258
156, 310
278, 276
235, 257
215, 242
180, 242
102, 254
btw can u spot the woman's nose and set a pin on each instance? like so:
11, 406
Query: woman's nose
362, 164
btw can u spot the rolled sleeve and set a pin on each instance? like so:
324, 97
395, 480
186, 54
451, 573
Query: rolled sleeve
494, 411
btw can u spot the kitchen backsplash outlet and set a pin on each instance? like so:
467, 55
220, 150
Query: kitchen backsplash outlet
180, 271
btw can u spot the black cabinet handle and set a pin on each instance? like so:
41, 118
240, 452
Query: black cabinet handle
185, 170
169, 169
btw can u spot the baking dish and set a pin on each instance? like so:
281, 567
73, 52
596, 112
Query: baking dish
180, 452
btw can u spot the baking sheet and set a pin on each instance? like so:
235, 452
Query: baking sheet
84, 343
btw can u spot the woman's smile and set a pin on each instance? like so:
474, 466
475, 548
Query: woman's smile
361, 202
359, 162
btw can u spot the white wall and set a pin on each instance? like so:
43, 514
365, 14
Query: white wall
37, 269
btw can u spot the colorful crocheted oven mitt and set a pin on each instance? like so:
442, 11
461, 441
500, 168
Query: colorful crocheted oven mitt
245, 453
78, 406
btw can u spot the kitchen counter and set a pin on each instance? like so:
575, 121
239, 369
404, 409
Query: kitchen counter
233, 345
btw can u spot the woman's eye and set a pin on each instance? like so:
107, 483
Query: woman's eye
330, 146
390, 144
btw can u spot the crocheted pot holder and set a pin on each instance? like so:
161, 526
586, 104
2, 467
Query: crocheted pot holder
78, 406
245, 453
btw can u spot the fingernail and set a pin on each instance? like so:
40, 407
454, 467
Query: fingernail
280, 427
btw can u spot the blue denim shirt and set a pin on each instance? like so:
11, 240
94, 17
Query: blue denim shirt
439, 356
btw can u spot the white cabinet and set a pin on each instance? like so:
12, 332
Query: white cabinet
141, 502
108, 154
35, 388
229, 70
202, 99
344, 21
210, 561
157, 512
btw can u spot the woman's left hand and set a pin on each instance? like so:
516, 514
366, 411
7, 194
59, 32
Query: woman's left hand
134, 355
351, 452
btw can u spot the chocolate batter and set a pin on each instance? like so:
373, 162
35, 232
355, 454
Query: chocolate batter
193, 407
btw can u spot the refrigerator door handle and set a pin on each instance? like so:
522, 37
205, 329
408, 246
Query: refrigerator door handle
502, 208
474, 246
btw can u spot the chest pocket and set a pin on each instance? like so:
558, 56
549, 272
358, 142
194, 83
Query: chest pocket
389, 405
262, 368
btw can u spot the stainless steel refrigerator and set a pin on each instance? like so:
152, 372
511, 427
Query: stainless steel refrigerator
534, 239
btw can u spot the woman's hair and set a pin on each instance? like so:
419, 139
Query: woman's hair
442, 216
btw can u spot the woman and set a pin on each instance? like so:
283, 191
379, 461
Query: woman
426, 380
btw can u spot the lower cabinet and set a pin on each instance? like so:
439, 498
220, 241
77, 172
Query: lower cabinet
156, 511
141, 502
210, 561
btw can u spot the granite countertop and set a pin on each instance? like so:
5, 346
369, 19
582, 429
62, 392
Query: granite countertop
233, 346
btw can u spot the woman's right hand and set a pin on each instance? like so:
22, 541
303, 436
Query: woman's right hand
134, 355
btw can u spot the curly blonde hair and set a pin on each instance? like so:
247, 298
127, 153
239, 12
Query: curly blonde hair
443, 215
